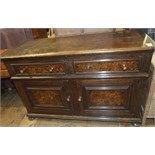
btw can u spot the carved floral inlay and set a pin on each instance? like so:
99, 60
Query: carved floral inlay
51, 97
37, 69
128, 65
107, 98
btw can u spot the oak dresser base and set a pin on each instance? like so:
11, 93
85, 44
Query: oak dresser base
100, 77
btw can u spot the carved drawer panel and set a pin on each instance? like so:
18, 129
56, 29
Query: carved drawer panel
107, 66
39, 69
109, 97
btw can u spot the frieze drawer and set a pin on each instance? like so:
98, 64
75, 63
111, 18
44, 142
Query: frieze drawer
107, 66
38, 69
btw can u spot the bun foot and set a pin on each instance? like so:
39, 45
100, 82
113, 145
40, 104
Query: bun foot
136, 124
30, 118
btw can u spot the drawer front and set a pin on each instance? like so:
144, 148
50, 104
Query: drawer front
37, 66
109, 97
107, 66
45, 96
39, 69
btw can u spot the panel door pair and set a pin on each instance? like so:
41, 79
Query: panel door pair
92, 97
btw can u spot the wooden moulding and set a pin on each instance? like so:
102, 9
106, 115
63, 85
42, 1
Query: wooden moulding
111, 119
79, 45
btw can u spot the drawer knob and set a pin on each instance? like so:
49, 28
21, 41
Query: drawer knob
21, 71
88, 67
51, 69
124, 67
80, 98
68, 99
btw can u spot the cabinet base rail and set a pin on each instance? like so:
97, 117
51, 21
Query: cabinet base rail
89, 118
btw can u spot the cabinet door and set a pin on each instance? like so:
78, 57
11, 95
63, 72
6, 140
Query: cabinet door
45, 96
109, 97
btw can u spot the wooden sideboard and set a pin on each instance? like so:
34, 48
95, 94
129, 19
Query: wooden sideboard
92, 77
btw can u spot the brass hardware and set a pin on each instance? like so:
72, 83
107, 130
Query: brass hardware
88, 67
51, 69
80, 98
21, 71
124, 67
68, 98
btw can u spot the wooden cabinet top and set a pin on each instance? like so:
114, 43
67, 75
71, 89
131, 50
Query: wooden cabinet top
82, 44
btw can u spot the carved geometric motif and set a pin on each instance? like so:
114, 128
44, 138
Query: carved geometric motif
37, 69
46, 97
107, 98
126, 65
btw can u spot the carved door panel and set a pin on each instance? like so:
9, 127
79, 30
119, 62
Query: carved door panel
45, 96
109, 97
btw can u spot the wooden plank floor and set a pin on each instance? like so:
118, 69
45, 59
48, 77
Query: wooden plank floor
13, 114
